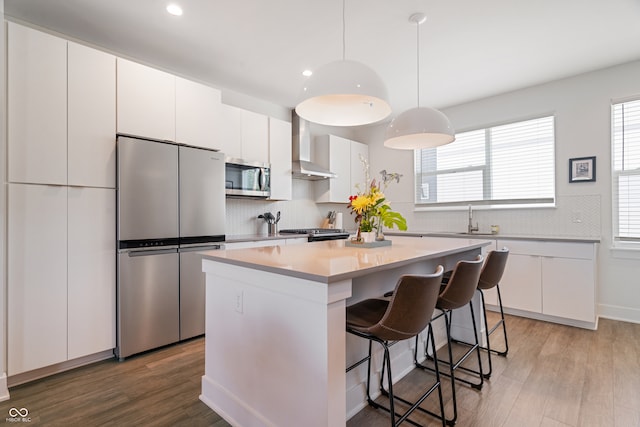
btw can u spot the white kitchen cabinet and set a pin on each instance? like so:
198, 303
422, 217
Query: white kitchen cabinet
280, 159
37, 106
228, 130
196, 108
146, 101
359, 151
242, 134
554, 279
568, 288
334, 153
91, 321
92, 117
255, 136
36, 276
521, 284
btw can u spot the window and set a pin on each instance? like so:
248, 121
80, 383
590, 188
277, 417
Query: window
511, 164
626, 170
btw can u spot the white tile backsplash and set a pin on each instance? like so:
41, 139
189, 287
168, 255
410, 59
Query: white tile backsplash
573, 216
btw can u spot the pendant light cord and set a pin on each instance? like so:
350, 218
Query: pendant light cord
344, 44
418, 61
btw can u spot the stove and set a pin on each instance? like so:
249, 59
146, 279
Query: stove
319, 234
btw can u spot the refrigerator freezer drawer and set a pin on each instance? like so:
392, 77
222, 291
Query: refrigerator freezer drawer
148, 300
192, 288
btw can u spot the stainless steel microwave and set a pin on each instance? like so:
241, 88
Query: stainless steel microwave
247, 179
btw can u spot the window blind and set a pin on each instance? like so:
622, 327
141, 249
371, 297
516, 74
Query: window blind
626, 169
507, 164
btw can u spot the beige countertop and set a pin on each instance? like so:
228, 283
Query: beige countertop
331, 261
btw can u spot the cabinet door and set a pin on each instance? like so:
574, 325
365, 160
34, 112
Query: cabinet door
228, 130
280, 159
359, 151
146, 101
255, 136
37, 106
568, 288
521, 286
91, 270
92, 117
334, 153
196, 107
37, 277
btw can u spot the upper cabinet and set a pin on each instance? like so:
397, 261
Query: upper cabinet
37, 106
342, 157
92, 117
146, 101
228, 130
159, 105
280, 159
196, 108
242, 134
61, 123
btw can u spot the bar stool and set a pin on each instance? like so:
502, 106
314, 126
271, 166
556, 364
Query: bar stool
457, 293
386, 321
489, 278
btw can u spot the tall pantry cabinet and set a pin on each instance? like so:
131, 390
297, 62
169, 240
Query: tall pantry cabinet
61, 200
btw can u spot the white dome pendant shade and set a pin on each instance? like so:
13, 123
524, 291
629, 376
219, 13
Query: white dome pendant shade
344, 93
420, 127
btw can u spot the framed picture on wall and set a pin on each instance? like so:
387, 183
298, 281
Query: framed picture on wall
582, 169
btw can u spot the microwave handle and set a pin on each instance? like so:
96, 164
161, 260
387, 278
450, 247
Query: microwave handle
263, 179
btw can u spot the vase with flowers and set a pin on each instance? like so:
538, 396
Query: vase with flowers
371, 209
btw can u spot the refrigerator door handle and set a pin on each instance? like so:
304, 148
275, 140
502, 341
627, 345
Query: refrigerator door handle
200, 248
152, 252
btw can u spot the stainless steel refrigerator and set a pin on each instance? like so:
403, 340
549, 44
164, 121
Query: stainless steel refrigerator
171, 205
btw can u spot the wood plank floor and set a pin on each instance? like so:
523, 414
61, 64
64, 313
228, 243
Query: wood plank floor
554, 376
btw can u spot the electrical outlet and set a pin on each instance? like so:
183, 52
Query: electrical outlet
576, 217
239, 303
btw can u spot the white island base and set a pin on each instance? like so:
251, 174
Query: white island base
276, 349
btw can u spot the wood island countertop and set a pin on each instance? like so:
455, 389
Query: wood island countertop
331, 261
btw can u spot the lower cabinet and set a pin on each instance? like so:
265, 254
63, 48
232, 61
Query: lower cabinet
521, 286
554, 279
61, 274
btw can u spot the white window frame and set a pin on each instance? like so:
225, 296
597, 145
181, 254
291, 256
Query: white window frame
628, 241
487, 202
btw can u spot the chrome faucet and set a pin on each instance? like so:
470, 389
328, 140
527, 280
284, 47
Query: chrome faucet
470, 227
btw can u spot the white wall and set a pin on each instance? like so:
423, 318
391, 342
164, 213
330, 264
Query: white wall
582, 107
4, 391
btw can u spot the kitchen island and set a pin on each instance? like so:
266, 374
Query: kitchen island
276, 348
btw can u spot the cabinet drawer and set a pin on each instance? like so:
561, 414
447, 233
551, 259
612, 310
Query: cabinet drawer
549, 249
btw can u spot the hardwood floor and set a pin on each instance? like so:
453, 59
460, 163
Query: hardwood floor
554, 376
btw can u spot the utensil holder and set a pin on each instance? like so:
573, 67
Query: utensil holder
272, 229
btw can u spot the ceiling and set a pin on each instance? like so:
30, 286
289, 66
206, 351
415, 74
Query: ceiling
469, 49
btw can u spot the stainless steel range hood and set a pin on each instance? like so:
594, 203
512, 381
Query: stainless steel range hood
302, 166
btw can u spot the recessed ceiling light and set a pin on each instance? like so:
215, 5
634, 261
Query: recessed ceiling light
307, 73
174, 9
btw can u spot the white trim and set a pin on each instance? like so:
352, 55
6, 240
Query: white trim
4, 388
616, 312
625, 252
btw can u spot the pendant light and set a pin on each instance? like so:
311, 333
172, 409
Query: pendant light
344, 93
420, 127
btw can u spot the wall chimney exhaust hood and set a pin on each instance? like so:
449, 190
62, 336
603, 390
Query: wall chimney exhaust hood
302, 166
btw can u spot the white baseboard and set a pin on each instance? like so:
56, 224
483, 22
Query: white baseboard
4, 388
615, 312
